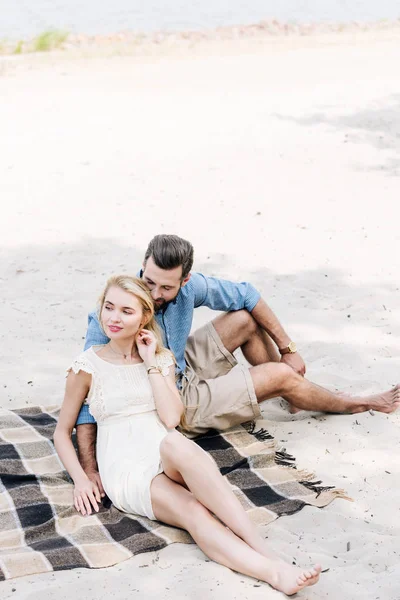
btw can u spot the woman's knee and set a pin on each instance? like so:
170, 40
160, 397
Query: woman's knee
174, 446
174, 504
194, 516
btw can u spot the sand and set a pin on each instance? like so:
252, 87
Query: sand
280, 160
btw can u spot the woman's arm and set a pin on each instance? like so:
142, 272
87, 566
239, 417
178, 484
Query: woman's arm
86, 493
166, 397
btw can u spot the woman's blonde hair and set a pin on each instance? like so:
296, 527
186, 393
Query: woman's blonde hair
135, 286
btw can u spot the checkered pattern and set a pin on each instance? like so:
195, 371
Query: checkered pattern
40, 531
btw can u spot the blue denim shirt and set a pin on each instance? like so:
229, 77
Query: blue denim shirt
176, 320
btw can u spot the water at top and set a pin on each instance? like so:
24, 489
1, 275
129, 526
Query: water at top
26, 18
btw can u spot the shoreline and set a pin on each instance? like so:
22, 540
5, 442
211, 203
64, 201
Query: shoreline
61, 40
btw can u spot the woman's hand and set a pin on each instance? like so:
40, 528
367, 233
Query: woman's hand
146, 344
95, 478
86, 496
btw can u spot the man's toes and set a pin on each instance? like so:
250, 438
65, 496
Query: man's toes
307, 574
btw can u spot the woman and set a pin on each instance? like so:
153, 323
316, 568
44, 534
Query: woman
146, 466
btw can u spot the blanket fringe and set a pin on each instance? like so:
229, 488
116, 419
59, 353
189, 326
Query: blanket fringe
284, 459
316, 487
261, 434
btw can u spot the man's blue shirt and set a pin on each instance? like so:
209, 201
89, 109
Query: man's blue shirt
176, 320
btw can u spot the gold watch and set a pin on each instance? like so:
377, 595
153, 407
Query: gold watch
290, 349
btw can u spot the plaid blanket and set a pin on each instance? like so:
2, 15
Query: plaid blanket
40, 531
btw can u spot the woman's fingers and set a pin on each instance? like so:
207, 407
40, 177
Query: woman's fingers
93, 501
85, 501
81, 506
87, 504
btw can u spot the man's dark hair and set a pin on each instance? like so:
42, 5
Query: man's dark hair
169, 252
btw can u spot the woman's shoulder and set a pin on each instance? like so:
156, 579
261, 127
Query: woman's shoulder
83, 362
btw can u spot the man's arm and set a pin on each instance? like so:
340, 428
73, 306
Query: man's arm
86, 427
86, 434
268, 321
220, 294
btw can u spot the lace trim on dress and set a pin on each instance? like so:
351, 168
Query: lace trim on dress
164, 360
81, 364
95, 397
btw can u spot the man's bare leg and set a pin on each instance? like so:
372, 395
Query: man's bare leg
272, 379
239, 330
86, 439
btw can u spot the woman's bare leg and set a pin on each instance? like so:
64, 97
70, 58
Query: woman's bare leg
184, 461
175, 505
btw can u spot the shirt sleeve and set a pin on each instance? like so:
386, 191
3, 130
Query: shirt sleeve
94, 333
84, 416
220, 294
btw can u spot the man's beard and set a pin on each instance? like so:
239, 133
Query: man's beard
159, 303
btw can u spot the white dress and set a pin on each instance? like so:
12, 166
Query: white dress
129, 430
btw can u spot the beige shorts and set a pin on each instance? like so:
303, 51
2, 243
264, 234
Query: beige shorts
217, 391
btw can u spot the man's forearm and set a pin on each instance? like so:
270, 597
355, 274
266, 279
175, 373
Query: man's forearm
86, 435
268, 321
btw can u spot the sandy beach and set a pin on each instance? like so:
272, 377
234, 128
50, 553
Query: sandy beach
279, 158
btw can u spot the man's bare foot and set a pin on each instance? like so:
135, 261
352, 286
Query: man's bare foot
293, 409
286, 405
290, 580
387, 402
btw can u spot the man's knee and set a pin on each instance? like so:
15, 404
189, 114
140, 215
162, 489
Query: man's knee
276, 377
243, 321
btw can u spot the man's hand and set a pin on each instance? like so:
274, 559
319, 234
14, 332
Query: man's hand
95, 478
296, 362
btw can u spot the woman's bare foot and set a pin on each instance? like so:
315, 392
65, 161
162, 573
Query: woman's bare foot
290, 580
387, 402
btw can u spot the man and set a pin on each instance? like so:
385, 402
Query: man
214, 394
